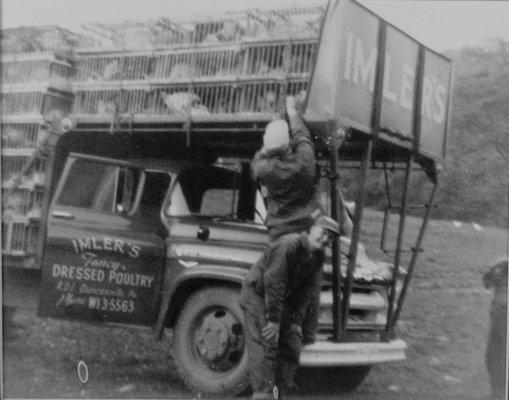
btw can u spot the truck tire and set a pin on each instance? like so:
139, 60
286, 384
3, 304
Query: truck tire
332, 379
209, 347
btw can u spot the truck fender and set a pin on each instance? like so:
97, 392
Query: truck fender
200, 275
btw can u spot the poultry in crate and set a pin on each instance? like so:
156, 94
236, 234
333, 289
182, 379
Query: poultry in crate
183, 103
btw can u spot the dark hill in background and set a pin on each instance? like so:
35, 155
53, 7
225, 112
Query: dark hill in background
475, 182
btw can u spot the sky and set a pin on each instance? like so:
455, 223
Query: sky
440, 24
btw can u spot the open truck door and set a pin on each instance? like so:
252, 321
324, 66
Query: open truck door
100, 263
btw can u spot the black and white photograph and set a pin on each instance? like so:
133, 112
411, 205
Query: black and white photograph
254, 200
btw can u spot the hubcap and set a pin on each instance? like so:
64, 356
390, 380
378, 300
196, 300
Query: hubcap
212, 339
218, 339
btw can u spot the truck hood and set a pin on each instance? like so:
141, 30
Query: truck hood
242, 244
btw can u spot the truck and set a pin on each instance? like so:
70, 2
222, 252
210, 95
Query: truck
154, 220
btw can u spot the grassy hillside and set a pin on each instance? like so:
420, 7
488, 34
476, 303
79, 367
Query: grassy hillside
477, 175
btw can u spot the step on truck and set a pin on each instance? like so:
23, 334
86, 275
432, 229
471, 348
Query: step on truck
154, 220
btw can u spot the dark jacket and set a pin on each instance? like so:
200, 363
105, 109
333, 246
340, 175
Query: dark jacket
287, 275
291, 181
496, 347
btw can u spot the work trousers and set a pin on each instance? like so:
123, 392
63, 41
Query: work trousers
311, 317
270, 365
310, 322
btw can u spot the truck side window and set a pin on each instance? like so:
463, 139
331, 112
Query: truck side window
126, 191
260, 209
99, 186
219, 192
147, 218
211, 191
220, 202
178, 205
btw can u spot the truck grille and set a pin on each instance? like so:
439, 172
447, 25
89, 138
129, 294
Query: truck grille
368, 309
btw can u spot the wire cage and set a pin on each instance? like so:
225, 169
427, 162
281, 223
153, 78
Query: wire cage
223, 29
12, 165
217, 80
189, 99
249, 25
191, 63
279, 58
125, 35
24, 202
20, 135
110, 101
39, 38
41, 102
214, 62
230, 97
112, 67
22, 103
34, 68
19, 238
265, 59
235, 63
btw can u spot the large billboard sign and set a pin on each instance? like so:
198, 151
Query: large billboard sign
355, 47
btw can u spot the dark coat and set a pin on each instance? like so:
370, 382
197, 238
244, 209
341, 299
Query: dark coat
286, 276
291, 181
496, 277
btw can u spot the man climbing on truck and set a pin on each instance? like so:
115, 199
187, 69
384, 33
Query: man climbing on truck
286, 167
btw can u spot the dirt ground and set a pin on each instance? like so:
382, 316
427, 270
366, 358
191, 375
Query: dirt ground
444, 322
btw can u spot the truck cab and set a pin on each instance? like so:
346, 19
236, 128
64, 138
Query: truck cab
166, 243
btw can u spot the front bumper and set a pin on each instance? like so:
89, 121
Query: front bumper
324, 353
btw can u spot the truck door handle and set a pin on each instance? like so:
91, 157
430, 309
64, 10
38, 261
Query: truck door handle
62, 214
203, 233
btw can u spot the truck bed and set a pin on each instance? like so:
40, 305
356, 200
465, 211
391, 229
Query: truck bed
234, 135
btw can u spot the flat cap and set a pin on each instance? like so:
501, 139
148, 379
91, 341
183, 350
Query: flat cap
327, 223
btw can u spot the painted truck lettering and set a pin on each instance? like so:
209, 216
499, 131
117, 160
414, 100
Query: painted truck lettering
106, 243
360, 68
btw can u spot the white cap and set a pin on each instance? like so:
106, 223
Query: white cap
276, 135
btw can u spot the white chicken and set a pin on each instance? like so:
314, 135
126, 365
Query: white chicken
106, 108
184, 103
13, 137
267, 102
111, 71
229, 32
199, 109
34, 213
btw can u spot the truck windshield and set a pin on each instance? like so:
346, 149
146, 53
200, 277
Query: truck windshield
218, 192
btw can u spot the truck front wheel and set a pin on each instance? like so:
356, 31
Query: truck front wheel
209, 347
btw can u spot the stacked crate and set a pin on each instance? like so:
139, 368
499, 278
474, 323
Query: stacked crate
33, 85
233, 65
238, 64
